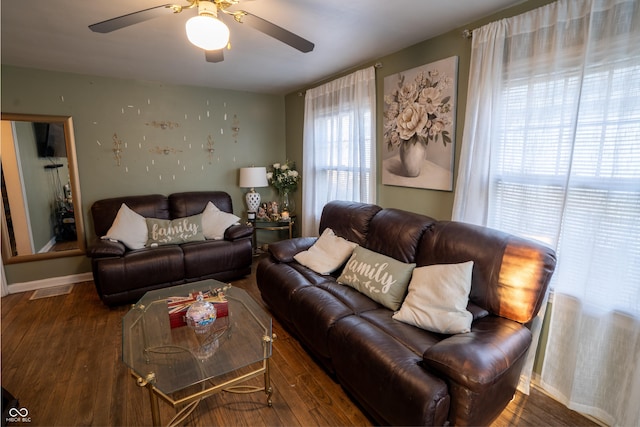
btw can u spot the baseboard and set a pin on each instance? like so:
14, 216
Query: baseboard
51, 282
49, 246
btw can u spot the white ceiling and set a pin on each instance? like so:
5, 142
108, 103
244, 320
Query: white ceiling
53, 35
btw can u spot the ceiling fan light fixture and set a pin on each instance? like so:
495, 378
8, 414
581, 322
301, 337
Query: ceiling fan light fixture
207, 32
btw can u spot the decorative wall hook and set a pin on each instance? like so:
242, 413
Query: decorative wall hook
117, 149
235, 128
164, 125
164, 150
210, 148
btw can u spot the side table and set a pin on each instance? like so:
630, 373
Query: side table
271, 226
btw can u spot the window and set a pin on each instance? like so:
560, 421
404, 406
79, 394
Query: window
551, 151
568, 174
345, 167
339, 145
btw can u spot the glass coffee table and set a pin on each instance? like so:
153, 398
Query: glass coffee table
182, 368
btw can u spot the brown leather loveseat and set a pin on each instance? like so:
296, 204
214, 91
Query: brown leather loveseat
122, 275
398, 373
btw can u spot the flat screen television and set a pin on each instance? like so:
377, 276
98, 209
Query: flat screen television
50, 139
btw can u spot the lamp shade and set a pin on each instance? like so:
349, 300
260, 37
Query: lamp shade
207, 32
255, 176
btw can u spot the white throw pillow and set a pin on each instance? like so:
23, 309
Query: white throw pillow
327, 254
215, 222
129, 227
437, 298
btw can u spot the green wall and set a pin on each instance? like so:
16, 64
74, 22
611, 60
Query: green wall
134, 110
437, 204
271, 130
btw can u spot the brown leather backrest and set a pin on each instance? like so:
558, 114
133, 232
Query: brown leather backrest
348, 219
397, 233
103, 212
194, 202
510, 274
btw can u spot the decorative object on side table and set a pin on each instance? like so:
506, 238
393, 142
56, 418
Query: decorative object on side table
419, 125
268, 211
284, 178
252, 177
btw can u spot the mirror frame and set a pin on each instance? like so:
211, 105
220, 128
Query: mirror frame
67, 122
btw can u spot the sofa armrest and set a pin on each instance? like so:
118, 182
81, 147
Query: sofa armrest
481, 357
236, 232
285, 250
103, 248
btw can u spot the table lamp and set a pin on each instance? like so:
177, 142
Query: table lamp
252, 177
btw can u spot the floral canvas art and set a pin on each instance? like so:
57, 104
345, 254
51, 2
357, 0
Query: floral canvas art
419, 125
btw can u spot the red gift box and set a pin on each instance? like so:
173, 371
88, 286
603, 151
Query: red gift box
178, 306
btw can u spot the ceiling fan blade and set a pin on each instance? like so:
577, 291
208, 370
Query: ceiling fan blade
130, 19
214, 55
278, 33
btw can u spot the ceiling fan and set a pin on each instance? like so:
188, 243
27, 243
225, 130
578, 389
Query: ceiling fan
205, 30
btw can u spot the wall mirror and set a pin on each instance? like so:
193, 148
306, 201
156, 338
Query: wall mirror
41, 207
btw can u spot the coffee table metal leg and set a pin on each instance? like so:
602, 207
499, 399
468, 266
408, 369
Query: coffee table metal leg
155, 408
153, 398
267, 382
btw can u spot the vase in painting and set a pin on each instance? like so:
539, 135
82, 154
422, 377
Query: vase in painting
412, 156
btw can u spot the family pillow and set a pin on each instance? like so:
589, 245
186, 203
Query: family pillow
438, 297
381, 278
327, 254
179, 230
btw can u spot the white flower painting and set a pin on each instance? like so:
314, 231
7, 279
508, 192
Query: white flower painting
419, 126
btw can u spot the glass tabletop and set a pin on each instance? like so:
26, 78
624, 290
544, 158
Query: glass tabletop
153, 342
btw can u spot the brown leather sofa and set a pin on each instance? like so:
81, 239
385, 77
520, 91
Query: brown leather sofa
122, 275
400, 374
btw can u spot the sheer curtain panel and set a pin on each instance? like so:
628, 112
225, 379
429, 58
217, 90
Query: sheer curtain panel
551, 151
339, 145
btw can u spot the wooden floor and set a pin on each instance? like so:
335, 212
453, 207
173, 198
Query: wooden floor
61, 357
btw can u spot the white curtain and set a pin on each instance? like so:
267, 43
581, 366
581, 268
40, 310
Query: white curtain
339, 145
551, 151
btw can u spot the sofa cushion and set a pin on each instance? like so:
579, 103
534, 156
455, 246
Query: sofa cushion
207, 258
327, 254
386, 377
397, 233
381, 278
348, 219
416, 339
179, 230
352, 298
314, 312
215, 222
438, 297
103, 212
278, 283
143, 269
194, 202
129, 228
